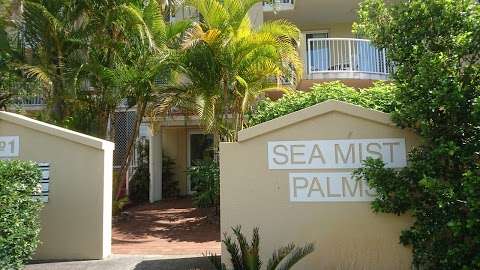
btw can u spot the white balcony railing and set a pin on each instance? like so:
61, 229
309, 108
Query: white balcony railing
278, 5
34, 101
346, 55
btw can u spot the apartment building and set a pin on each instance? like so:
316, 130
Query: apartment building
329, 51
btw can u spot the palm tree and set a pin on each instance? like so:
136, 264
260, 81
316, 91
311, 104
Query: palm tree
48, 33
226, 63
245, 256
148, 57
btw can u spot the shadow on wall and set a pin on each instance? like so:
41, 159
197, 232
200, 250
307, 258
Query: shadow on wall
200, 263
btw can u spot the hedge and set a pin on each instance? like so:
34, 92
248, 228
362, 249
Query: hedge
19, 212
378, 97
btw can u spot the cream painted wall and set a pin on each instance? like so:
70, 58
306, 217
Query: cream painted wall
76, 221
347, 235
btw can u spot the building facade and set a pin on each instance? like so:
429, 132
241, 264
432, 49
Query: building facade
329, 51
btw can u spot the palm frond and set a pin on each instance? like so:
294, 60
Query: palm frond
42, 16
136, 21
278, 255
37, 73
234, 252
295, 256
213, 12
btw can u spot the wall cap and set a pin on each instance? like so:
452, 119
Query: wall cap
311, 112
56, 131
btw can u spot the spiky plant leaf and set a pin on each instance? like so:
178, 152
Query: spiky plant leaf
234, 251
295, 256
278, 255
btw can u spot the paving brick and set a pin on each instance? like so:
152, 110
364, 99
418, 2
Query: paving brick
171, 227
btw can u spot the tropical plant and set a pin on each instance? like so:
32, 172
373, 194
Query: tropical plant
435, 45
48, 32
205, 178
169, 183
19, 212
378, 97
245, 256
148, 58
13, 86
226, 63
139, 184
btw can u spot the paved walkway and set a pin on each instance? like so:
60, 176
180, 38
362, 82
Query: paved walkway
130, 262
172, 227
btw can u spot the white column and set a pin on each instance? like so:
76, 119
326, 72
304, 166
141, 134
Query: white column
155, 166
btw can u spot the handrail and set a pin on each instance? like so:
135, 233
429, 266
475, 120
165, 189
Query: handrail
346, 55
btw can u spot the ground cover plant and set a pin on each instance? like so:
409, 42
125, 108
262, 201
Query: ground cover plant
435, 45
378, 97
19, 212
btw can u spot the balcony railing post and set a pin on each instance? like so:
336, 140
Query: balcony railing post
330, 55
384, 60
309, 57
350, 64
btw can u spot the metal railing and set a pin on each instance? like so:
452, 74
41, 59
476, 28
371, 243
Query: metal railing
31, 101
346, 55
278, 5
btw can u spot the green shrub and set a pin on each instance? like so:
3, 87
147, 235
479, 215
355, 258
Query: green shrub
435, 45
379, 97
139, 185
205, 178
19, 212
169, 184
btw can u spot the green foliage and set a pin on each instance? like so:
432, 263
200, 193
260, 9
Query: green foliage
169, 184
139, 185
19, 212
379, 97
245, 256
229, 62
205, 178
435, 45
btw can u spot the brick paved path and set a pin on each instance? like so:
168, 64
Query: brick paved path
171, 227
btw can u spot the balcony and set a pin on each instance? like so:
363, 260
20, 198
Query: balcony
345, 58
278, 5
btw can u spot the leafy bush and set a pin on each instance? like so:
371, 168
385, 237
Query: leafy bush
379, 97
435, 45
139, 185
245, 256
169, 184
205, 178
19, 212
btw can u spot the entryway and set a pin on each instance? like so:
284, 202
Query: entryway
169, 227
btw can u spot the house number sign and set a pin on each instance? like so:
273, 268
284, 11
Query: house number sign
9, 146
